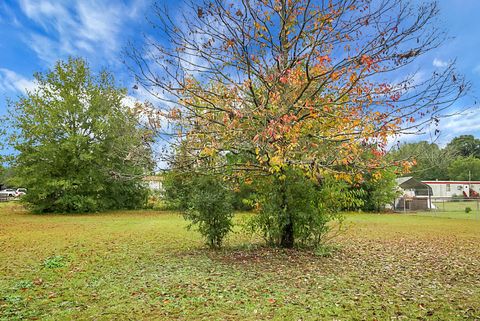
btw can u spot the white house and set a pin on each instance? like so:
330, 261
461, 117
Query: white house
154, 183
448, 189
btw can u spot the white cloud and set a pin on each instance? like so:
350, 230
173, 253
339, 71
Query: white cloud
439, 63
10, 81
79, 27
129, 101
449, 127
466, 123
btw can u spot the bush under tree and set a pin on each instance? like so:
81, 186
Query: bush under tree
307, 207
205, 200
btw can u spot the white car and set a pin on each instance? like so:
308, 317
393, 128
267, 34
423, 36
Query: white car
9, 192
20, 191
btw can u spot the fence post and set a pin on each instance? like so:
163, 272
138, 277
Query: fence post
478, 209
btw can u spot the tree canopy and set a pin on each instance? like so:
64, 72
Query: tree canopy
79, 147
456, 161
464, 146
430, 161
300, 82
465, 168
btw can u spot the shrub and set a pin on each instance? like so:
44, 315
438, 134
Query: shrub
205, 201
296, 209
209, 208
468, 209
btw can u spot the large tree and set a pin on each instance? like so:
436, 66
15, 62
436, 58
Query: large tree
465, 168
255, 87
464, 146
79, 147
430, 161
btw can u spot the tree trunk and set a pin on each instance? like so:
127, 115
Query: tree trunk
287, 239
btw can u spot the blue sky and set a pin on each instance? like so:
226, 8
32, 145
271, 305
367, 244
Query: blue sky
36, 33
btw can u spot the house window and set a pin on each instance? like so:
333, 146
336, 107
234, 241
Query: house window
448, 187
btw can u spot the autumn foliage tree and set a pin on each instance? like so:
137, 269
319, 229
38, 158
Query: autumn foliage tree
255, 88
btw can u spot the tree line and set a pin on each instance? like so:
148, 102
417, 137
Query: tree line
458, 160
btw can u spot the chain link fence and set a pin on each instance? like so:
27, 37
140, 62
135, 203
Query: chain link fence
455, 207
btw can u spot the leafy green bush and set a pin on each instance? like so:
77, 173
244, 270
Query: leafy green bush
205, 200
468, 209
294, 209
242, 197
210, 209
377, 192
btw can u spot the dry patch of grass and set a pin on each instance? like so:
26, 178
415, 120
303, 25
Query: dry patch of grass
145, 265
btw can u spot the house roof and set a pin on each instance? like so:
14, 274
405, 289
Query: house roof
411, 183
451, 182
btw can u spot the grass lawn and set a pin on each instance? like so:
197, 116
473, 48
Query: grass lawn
144, 265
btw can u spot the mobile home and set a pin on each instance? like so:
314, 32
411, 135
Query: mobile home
449, 189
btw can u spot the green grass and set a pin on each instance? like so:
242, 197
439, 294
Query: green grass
144, 265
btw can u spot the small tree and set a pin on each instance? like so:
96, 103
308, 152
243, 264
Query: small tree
80, 149
301, 204
210, 209
205, 201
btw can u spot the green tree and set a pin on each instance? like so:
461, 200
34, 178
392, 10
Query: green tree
302, 204
464, 146
80, 149
210, 209
465, 168
379, 191
2, 174
431, 162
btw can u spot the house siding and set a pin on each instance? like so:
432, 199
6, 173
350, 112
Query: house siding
449, 189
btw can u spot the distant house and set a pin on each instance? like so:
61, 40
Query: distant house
448, 189
414, 195
154, 183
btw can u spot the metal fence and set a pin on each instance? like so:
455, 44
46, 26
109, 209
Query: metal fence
456, 207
